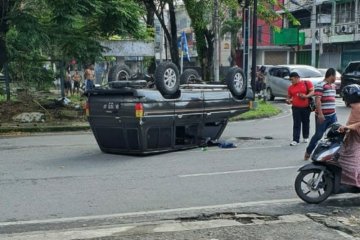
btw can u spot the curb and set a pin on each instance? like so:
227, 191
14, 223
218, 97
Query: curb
30, 129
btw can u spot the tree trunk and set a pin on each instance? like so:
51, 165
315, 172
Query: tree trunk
3, 30
150, 17
174, 51
3, 58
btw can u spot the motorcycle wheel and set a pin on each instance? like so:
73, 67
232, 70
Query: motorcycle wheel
305, 189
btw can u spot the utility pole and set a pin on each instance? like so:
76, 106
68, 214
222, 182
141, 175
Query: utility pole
246, 13
313, 30
254, 48
216, 41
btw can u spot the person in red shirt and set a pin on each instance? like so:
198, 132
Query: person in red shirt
299, 93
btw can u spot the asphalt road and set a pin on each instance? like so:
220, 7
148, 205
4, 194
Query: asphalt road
52, 176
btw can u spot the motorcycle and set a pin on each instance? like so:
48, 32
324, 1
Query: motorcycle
321, 178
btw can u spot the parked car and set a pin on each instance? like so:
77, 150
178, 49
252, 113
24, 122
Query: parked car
337, 80
350, 75
129, 117
278, 79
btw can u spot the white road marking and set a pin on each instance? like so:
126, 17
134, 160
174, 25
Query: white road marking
238, 171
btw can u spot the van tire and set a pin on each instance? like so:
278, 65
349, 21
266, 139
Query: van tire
236, 82
119, 73
189, 76
167, 78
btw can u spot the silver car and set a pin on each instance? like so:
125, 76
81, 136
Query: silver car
278, 80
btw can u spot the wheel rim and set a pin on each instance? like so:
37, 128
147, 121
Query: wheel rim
238, 82
170, 78
192, 78
122, 75
308, 188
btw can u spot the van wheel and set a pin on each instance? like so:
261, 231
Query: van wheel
167, 78
189, 76
236, 82
119, 73
269, 95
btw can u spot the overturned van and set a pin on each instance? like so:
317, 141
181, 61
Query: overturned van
128, 117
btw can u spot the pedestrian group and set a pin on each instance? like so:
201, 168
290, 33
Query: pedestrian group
299, 94
73, 83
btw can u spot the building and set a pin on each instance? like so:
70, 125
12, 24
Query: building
337, 31
267, 53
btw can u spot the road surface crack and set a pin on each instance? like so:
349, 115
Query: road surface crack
243, 218
346, 225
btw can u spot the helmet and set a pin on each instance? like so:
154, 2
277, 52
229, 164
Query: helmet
351, 93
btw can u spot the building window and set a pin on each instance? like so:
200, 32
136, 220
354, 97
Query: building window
345, 12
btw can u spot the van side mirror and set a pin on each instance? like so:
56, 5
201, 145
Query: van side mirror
287, 78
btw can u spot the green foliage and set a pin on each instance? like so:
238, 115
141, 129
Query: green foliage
231, 25
40, 31
263, 110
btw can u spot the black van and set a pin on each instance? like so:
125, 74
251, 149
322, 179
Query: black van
350, 75
127, 117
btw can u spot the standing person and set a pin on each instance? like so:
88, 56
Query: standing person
76, 77
67, 83
259, 81
89, 77
325, 113
299, 93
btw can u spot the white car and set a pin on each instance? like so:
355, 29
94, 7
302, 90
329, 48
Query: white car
278, 79
337, 81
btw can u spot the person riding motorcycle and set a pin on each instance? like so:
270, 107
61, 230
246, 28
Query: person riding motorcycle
349, 158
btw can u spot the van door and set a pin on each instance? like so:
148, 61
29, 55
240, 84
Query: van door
219, 105
189, 110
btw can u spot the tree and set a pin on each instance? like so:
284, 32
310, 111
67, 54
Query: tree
198, 12
36, 30
158, 7
77, 26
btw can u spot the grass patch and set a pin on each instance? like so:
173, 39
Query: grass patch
263, 110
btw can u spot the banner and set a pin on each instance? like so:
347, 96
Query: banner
185, 47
